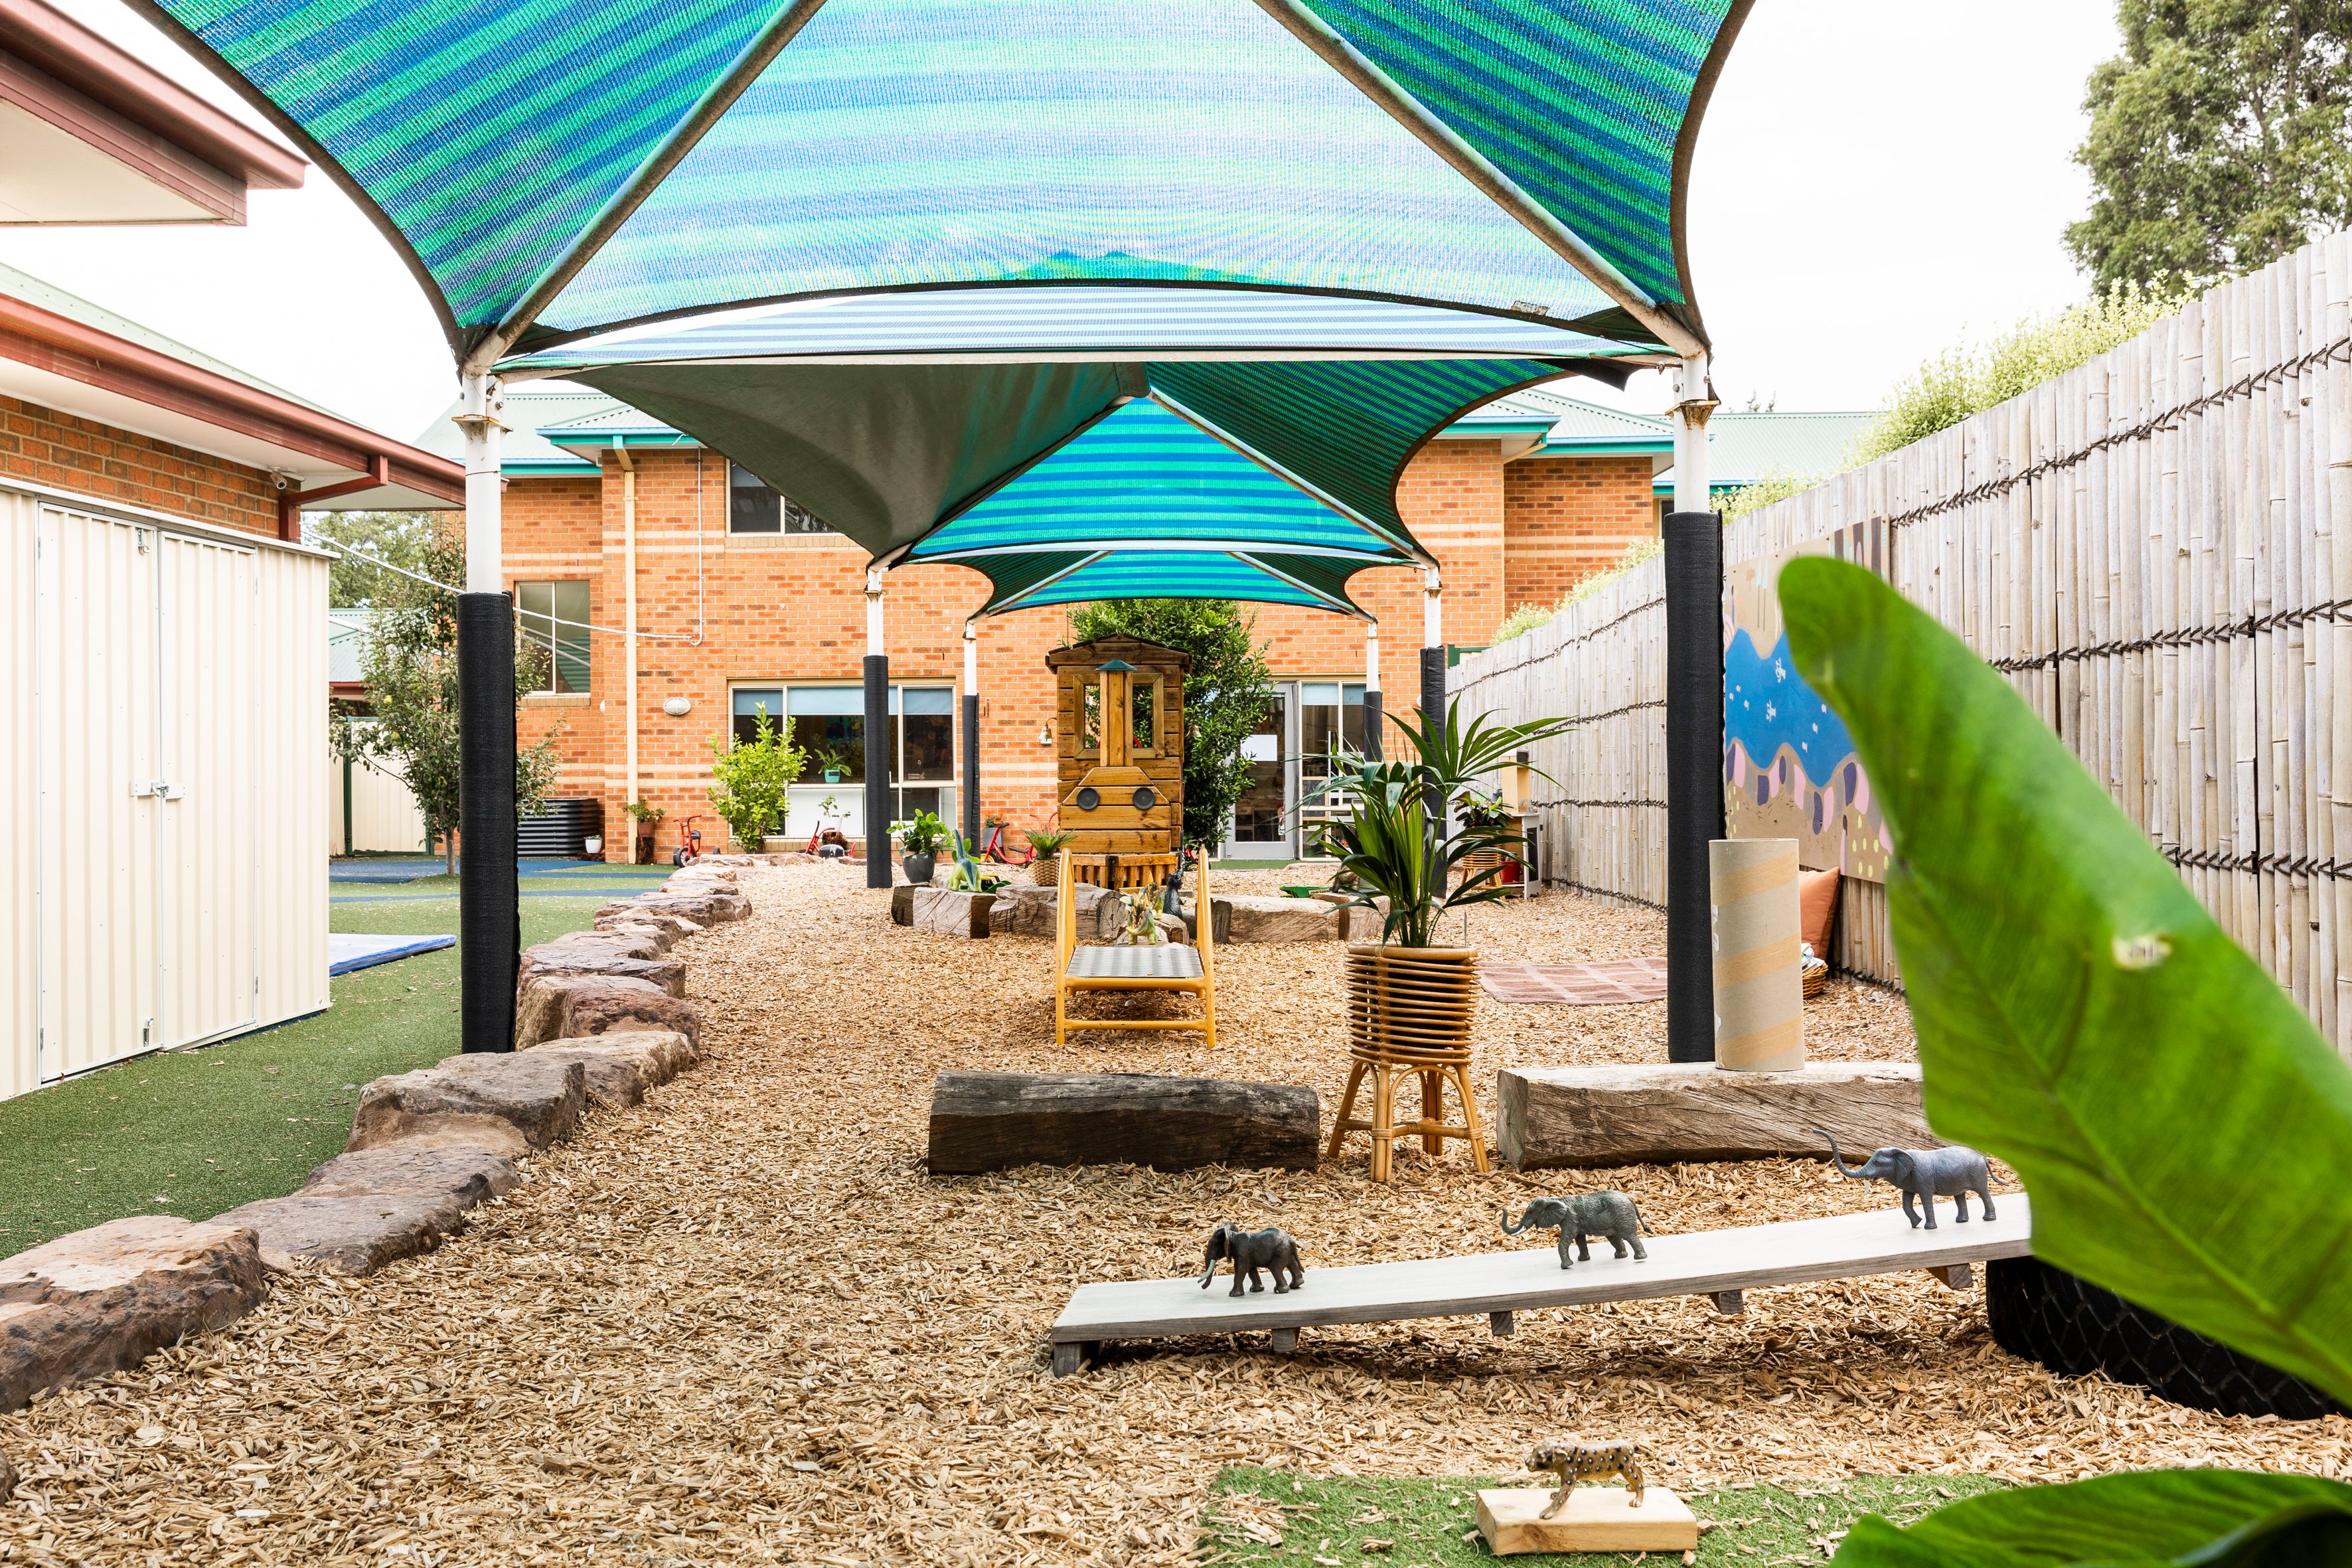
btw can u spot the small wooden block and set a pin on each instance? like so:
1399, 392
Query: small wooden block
1284, 1341
1500, 1325
1595, 1519
1730, 1303
1067, 1354
1958, 1276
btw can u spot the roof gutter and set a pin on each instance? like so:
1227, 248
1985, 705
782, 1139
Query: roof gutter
53, 42
63, 346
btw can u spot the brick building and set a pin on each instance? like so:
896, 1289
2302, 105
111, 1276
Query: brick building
744, 601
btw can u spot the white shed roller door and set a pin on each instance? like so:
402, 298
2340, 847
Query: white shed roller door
147, 801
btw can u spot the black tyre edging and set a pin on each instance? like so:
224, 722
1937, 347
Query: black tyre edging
2074, 1327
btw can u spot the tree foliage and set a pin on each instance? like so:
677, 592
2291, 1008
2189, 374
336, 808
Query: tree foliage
399, 537
2218, 139
755, 777
1225, 697
410, 663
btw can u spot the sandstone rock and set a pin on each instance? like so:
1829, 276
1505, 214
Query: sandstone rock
951, 913
555, 1005
709, 905
1665, 1112
663, 937
470, 1175
668, 975
660, 1054
618, 1073
483, 1133
1248, 918
617, 917
101, 1299
7, 1479
540, 1099
356, 1233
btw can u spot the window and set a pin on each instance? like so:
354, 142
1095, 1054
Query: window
1143, 728
828, 723
555, 622
754, 507
1330, 720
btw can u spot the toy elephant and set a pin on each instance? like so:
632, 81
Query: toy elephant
1927, 1174
1251, 1250
1609, 1216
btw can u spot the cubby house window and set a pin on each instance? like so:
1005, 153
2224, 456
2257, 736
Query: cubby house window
554, 619
755, 506
1143, 724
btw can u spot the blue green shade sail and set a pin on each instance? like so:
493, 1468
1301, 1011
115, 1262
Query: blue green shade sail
1132, 321
888, 452
573, 166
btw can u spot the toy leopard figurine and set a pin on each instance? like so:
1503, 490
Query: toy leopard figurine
1574, 1462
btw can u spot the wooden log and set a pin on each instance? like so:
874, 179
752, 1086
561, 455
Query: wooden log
952, 913
992, 1121
1663, 1113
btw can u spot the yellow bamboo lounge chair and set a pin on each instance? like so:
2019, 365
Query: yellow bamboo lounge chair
1170, 966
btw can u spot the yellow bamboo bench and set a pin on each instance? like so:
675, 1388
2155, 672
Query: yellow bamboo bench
1170, 966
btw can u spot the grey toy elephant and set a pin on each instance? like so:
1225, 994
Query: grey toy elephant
1251, 1250
1927, 1174
1609, 1216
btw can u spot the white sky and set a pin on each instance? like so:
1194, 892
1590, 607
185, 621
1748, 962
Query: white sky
1873, 183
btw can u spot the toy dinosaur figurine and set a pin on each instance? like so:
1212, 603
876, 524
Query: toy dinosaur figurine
1572, 1462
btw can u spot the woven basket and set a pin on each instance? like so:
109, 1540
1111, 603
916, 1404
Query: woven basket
1410, 1004
1817, 980
1045, 870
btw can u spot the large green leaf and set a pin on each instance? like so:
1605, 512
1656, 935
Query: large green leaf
2194, 1519
2185, 1132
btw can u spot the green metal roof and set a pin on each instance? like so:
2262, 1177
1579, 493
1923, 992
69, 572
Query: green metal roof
556, 167
1743, 447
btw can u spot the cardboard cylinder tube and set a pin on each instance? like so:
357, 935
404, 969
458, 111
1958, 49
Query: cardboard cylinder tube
1754, 925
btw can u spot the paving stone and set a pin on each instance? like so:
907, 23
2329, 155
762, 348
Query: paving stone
540, 1099
104, 1298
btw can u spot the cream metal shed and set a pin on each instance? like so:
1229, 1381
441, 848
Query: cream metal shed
163, 696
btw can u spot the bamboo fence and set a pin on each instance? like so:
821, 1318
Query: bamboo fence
2152, 547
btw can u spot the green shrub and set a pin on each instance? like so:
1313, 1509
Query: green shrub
926, 835
754, 780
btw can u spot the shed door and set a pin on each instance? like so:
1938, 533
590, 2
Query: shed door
96, 683
206, 836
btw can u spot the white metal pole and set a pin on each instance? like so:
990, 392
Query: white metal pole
878, 737
874, 645
1371, 656
482, 405
1694, 401
970, 707
631, 790
1372, 719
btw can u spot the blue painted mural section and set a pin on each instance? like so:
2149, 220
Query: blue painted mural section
1766, 705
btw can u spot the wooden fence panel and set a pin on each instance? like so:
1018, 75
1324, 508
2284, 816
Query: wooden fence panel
2155, 548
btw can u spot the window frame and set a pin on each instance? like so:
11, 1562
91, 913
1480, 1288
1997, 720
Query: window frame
554, 640
787, 510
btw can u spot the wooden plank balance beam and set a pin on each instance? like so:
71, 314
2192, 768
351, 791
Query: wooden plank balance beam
1717, 1263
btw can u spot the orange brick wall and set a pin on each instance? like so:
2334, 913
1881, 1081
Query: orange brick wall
1567, 517
791, 607
50, 448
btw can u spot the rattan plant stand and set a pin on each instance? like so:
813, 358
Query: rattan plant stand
1409, 1012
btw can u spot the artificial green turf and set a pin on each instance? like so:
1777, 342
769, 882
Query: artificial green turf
195, 1133
1328, 1520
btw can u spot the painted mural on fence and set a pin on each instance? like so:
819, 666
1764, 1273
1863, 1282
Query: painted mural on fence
1788, 766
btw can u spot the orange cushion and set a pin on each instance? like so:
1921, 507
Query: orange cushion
1816, 902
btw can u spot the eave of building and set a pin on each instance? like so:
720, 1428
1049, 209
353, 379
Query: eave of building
96, 136
58, 361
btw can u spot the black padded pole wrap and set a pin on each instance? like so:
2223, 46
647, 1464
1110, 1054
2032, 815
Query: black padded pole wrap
878, 770
972, 769
1372, 722
1432, 686
1693, 568
489, 914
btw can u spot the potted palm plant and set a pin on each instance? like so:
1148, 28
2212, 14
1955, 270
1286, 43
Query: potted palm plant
1046, 844
1405, 993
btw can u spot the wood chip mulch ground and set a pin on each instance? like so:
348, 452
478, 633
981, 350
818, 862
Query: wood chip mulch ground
740, 1323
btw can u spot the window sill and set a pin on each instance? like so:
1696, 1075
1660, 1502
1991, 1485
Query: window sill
558, 699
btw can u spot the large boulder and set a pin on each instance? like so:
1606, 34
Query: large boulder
470, 1175
1249, 918
662, 935
620, 1067
582, 954
104, 1298
949, 912
556, 1006
538, 1098
707, 905
623, 916
357, 1233
1663, 1113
